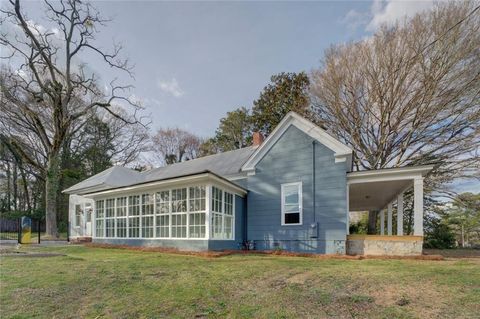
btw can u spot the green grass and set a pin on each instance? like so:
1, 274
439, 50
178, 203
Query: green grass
114, 283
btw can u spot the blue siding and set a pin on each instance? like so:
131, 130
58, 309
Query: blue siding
290, 160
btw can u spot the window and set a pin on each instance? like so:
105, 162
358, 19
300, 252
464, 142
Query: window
110, 217
88, 211
147, 216
179, 200
133, 219
179, 213
196, 217
78, 215
179, 225
216, 200
99, 218
222, 214
163, 214
121, 217
292, 204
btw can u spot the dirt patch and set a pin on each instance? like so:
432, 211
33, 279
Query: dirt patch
216, 254
454, 253
299, 278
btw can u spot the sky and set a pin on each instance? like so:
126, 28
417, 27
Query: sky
195, 61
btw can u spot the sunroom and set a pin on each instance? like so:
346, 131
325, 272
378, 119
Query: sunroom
195, 212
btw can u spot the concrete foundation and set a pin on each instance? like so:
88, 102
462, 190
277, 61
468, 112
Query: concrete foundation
374, 245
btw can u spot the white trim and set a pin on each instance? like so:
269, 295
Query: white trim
342, 152
388, 174
172, 183
300, 202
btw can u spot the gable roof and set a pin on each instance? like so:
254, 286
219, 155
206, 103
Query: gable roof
342, 152
226, 165
114, 176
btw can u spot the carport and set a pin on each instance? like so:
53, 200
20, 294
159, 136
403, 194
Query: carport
379, 190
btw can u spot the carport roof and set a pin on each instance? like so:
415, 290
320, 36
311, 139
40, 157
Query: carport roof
375, 189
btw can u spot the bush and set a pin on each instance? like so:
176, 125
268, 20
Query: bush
440, 236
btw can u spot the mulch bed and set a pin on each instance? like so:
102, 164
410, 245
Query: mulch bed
216, 254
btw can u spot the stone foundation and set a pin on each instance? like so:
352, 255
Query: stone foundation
375, 245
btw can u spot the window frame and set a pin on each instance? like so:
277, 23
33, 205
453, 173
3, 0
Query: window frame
300, 203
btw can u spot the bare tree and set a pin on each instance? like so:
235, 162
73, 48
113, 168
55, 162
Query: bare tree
409, 94
174, 145
47, 91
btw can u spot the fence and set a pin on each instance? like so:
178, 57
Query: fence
10, 229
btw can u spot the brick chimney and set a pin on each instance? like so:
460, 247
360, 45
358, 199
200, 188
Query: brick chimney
257, 138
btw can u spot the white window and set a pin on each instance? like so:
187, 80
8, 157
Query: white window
122, 217
110, 217
163, 214
197, 213
99, 218
292, 203
78, 215
133, 216
147, 216
222, 219
179, 213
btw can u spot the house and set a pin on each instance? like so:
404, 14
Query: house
293, 191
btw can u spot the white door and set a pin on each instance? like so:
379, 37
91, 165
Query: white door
88, 220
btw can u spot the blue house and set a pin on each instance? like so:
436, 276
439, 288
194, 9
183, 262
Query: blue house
292, 191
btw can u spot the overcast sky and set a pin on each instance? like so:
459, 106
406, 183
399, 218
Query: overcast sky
195, 61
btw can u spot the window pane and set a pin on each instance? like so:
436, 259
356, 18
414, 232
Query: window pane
147, 227
291, 194
110, 227
122, 227
100, 213
163, 226
228, 227
291, 208
163, 202
147, 204
121, 206
197, 225
179, 226
134, 205
216, 200
99, 228
217, 225
228, 203
292, 218
78, 215
197, 198
179, 200
110, 207
134, 227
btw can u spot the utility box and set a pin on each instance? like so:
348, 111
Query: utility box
26, 230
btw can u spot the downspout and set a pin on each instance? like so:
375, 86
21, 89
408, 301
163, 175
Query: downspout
314, 226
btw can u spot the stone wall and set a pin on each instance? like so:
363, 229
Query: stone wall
374, 245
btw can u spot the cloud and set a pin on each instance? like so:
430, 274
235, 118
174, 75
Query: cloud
385, 12
391, 11
171, 87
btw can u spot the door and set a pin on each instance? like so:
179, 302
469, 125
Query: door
88, 220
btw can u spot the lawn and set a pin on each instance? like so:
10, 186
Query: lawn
114, 283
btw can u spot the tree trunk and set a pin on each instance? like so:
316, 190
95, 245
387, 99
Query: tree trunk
51, 188
372, 222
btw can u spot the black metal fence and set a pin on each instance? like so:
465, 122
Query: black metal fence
10, 229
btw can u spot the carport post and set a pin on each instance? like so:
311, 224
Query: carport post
382, 222
418, 206
400, 215
389, 219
